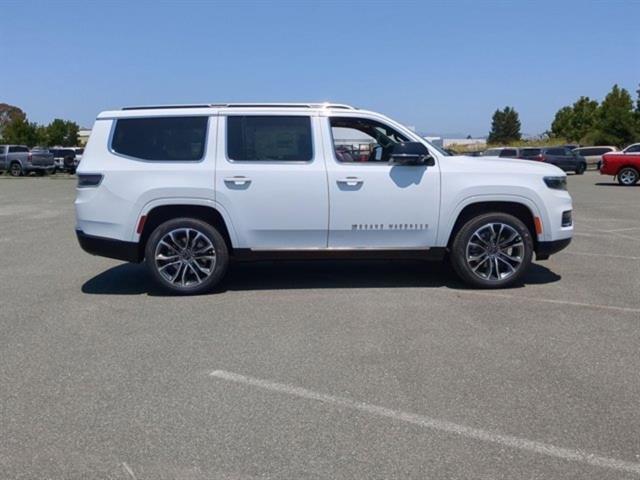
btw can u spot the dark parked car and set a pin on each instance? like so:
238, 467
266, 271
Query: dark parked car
559, 156
504, 152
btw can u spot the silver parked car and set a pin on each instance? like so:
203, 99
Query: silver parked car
593, 155
18, 160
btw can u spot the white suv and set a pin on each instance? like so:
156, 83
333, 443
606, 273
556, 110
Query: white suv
187, 187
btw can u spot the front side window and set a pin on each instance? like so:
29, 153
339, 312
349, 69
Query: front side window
161, 138
363, 140
555, 151
633, 149
269, 138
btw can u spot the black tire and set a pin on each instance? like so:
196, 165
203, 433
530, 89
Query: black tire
15, 170
190, 264
581, 168
482, 277
628, 176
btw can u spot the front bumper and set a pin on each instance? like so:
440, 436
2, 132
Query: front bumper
545, 249
109, 247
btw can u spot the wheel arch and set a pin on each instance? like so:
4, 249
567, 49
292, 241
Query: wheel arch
159, 214
512, 207
628, 165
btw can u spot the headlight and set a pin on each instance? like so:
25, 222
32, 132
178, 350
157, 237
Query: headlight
557, 183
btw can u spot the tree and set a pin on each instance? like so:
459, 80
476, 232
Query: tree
505, 126
9, 113
615, 120
561, 125
63, 133
20, 131
583, 118
575, 122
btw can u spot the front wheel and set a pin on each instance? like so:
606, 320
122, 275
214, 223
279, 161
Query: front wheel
186, 256
628, 176
492, 250
581, 168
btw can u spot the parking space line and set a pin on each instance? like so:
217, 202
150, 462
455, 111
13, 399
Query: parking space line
606, 255
551, 300
435, 424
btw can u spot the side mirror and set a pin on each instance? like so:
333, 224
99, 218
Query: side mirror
411, 153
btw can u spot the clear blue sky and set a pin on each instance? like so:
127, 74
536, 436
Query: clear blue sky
443, 67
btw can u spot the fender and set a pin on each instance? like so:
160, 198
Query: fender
448, 221
199, 201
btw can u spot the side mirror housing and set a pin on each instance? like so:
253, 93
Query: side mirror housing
411, 153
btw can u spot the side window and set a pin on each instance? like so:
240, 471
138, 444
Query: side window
509, 153
555, 151
161, 138
269, 138
363, 140
634, 149
2, 149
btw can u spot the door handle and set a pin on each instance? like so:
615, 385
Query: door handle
238, 180
351, 181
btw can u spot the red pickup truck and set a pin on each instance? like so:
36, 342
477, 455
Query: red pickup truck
623, 165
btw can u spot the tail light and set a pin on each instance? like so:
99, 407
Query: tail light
30, 156
540, 157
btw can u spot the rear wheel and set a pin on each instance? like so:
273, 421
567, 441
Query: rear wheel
15, 170
581, 168
493, 250
186, 256
628, 176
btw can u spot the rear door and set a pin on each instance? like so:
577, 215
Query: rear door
375, 204
271, 180
3, 157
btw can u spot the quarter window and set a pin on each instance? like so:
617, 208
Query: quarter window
269, 138
161, 138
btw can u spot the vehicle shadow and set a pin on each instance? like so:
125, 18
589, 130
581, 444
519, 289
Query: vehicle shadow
133, 279
615, 184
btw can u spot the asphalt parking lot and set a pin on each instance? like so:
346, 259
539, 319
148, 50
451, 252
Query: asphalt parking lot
334, 370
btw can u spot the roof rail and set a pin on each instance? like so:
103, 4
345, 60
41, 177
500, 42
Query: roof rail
246, 105
283, 105
158, 107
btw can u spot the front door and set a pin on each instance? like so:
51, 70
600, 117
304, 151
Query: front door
271, 180
373, 203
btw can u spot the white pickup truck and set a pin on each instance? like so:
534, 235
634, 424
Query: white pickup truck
187, 187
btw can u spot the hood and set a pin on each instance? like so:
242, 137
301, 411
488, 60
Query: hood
499, 165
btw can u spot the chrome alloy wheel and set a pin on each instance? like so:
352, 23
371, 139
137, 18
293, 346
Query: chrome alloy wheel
495, 251
185, 257
628, 176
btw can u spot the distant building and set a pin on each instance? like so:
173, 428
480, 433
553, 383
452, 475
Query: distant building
83, 136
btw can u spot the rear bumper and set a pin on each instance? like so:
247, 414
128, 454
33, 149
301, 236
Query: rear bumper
37, 168
545, 249
109, 247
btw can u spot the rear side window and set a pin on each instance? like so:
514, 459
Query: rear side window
491, 153
18, 149
161, 138
269, 138
509, 152
530, 152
